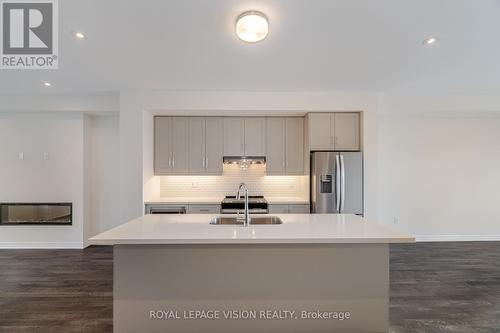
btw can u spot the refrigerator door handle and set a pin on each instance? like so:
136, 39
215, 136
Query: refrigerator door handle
337, 182
342, 184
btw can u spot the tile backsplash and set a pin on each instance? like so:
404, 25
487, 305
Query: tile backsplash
218, 186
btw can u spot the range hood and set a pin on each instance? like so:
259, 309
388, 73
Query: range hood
244, 161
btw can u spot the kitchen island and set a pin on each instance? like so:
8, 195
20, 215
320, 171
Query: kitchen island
312, 273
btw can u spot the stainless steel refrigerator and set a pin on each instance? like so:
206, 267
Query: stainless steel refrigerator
337, 182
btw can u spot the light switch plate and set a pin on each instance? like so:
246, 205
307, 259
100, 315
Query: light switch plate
46, 156
20, 156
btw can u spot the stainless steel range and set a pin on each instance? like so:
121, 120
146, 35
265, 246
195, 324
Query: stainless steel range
257, 204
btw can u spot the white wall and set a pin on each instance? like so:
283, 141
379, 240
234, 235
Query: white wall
59, 179
83, 168
102, 174
439, 169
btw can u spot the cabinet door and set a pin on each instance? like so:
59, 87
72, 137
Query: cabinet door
255, 136
275, 146
294, 146
278, 209
196, 145
320, 137
234, 136
162, 157
213, 145
346, 131
180, 147
298, 209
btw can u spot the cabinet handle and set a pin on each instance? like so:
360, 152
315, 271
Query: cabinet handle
173, 162
169, 162
203, 161
206, 162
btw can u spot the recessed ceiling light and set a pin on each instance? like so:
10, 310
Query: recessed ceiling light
430, 41
252, 26
79, 34
47, 84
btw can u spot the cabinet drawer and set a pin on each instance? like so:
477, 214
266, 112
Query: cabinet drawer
298, 209
203, 209
278, 209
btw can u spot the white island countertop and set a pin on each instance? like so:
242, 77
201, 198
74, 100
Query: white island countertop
296, 228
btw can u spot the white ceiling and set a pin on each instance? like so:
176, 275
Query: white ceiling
362, 45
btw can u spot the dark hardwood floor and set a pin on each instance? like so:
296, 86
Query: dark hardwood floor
445, 287
56, 290
435, 287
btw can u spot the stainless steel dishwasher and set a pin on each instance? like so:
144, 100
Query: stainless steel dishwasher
165, 209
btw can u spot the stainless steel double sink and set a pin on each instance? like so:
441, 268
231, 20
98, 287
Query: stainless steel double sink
265, 220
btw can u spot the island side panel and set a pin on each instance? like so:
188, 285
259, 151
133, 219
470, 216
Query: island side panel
339, 278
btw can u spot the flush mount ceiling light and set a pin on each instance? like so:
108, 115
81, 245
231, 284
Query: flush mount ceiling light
79, 35
47, 84
430, 41
252, 26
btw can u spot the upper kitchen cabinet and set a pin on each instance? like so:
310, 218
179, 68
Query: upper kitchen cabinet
171, 145
294, 148
334, 131
320, 135
275, 146
205, 145
285, 146
180, 145
214, 145
234, 136
255, 136
197, 151
346, 131
163, 152
244, 136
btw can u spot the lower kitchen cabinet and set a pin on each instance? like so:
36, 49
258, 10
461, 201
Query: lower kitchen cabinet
298, 209
278, 209
289, 209
203, 209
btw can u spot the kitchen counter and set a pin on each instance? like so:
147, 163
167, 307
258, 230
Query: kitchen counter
296, 228
182, 267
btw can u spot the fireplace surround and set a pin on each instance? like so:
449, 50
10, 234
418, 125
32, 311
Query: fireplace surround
59, 213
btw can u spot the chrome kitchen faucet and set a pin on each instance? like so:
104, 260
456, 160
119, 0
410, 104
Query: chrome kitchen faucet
246, 218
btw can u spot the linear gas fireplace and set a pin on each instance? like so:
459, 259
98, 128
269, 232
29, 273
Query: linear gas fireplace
60, 213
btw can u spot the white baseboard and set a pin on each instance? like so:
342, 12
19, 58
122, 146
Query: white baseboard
41, 245
457, 238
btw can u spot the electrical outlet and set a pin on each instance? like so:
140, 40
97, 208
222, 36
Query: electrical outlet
46, 156
395, 220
